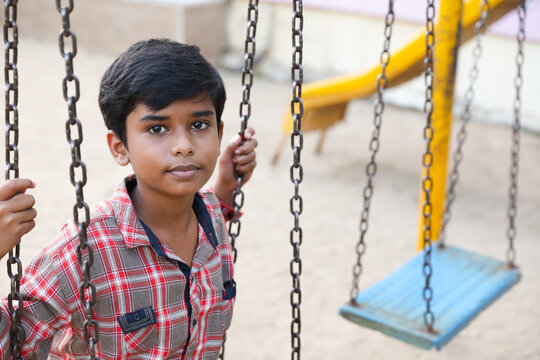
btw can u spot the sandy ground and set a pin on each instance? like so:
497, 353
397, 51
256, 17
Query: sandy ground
509, 329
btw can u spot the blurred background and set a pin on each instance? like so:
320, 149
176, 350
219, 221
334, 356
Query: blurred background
340, 38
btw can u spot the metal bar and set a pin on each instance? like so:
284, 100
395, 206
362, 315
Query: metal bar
446, 50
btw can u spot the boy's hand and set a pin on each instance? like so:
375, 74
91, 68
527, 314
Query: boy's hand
238, 158
16, 212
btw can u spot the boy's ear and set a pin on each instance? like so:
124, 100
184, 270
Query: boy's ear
117, 148
220, 133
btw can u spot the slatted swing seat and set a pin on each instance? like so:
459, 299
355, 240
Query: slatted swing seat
458, 284
466, 286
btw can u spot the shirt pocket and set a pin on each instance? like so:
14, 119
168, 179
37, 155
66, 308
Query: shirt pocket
139, 330
229, 294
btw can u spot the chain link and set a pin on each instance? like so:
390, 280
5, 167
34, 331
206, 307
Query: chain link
516, 127
371, 167
245, 113
77, 172
11, 76
465, 117
427, 161
296, 203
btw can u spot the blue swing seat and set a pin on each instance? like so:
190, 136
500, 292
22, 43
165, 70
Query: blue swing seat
463, 283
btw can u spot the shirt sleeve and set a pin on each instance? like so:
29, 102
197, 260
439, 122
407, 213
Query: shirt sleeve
45, 310
226, 209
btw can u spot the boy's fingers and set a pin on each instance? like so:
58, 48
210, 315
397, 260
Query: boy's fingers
26, 215
15, 186
244, 159
22, 202
247, 147
248, 134
231, 147
246, 168
25, 227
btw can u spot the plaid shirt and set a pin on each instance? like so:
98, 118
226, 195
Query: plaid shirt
150, 305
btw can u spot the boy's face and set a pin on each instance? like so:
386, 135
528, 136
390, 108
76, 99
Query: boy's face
173, 151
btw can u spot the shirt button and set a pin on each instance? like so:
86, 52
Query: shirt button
137, 317
194, 323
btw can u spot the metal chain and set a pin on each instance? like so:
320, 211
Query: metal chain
371, 167
465, 117
427, 161
296, 173
245, 113
85, 257
11, 76
513, 192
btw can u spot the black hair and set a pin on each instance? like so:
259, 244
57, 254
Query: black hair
156, 73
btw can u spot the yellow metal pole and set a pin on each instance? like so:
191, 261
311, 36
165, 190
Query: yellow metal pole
446, 51
325, 101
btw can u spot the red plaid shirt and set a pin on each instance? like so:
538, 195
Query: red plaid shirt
149, 305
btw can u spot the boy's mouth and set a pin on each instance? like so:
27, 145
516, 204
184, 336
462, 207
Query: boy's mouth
184, 171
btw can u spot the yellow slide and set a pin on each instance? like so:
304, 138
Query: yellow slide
325, 101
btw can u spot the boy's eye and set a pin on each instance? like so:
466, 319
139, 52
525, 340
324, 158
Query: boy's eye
199, 125
156, 129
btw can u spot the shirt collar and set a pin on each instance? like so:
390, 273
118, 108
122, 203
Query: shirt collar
124, 212
132, 228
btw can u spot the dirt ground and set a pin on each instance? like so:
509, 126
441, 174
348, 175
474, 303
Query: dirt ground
331, 190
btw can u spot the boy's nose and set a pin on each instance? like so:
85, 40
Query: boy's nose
182, 146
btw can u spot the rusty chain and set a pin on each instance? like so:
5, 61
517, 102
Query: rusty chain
245, 113
296, 203
516, 127
465, 117
77, 173
11, 76
371, 167
427, 161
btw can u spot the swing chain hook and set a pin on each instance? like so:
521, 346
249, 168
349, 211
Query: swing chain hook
11, 77
245, 113
78, 177
371, 167
296, 174
516, 127
427, 161
465, 117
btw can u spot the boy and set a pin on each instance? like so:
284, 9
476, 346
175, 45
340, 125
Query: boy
162, 264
